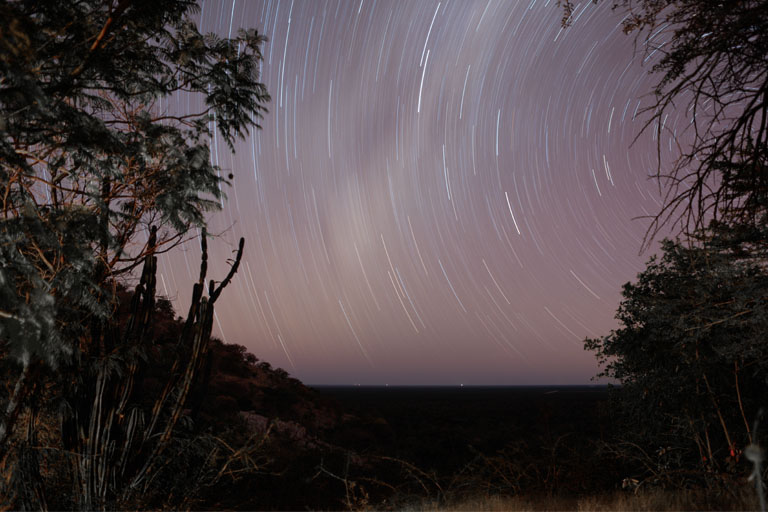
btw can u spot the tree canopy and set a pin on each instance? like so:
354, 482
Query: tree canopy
91, 156
690, 352
97, 176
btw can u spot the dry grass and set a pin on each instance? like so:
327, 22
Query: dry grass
650, 500
498, 504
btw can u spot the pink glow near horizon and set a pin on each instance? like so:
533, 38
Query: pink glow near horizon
442, 192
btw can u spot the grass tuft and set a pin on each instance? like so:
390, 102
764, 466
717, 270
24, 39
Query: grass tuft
648, 500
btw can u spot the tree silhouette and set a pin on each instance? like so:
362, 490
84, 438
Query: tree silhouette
713, 71
691, 357
98, 177
90, 157
690, 351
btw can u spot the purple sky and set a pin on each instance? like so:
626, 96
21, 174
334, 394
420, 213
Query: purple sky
442, 192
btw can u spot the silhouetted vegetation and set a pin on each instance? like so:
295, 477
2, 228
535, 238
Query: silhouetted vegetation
712, 72
691, 357
690, 352
96, 181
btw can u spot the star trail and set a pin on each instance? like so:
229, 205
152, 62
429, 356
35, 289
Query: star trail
443, 192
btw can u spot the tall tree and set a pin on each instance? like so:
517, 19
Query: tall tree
690, 350
97, 177
90, 155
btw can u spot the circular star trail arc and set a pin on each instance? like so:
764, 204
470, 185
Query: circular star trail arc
442, 191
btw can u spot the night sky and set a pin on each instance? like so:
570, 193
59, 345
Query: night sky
443, 192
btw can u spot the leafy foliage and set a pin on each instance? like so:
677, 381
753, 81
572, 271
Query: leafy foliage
97, 177
691, 355
90, 157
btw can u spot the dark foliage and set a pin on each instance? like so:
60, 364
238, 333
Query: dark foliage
89, 160
691, 357
99, 433
97, 177
690, 352
453, 444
